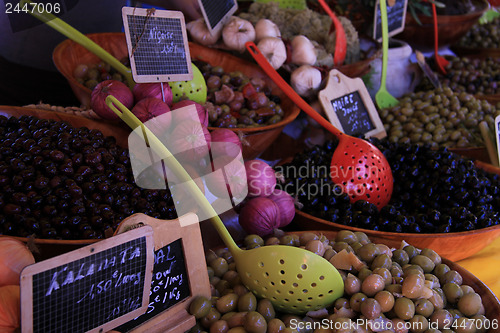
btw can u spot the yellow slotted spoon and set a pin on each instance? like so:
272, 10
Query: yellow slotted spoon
75, 35
295, 280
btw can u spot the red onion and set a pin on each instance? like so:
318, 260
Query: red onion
260, 216
286, 205
228, 176
189, 142
260, 177
150, 107
110, 87
202, 112
143, 90
225, 142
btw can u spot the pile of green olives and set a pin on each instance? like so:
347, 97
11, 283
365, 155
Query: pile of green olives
406, 289
439, 117
91, 74
485, 36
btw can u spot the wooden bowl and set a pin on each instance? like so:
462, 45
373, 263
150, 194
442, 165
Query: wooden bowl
49, 248
451, 28
68, 54
454, 245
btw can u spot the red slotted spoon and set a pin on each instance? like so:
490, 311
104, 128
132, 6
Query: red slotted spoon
340, 38
357, 166
440, 60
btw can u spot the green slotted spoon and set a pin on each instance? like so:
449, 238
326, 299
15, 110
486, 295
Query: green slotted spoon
383, 98
75, 35
295, 280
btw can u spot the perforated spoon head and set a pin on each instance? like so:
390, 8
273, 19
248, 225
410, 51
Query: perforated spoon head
293, 279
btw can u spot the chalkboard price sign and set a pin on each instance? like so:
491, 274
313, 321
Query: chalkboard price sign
157, 45
169, 286
349, 107
91, 289
179, 274
352, 113
217, 12
396, 16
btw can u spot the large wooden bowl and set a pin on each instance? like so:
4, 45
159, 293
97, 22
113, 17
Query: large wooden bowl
451, 28
454, 245
52, 247
68, 54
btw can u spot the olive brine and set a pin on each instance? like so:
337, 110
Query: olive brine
62, 182
435, 191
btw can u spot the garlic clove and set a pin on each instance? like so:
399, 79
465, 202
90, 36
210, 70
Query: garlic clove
237, 32
266, 28
274, 50
303, 51
199, 32
306, 80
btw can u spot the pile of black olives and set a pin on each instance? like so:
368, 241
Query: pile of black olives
398, 290
62, 182
474, 76
486, 36
435, 191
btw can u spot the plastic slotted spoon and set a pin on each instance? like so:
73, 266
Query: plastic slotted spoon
340, 38
383, 98
440, 60
295, 280
357, 166
75, 35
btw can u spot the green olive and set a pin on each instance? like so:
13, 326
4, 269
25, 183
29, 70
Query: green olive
441, 318
200, 306
275, 325
346, 236
219, 326
413, 286
418, 324
220, 266
306, 237
431, 254
381, 261
237, 319
356, 300
352, 284
370, 308
385, 299
372, 284
266, 309
212, 316
362, 237
385, 274
404, 308
452, 276
469, 304
254, 322
253, 239
247, 302
401, 257
227, 303
453, 292
425, 262
424, 307
440, 270
368, 252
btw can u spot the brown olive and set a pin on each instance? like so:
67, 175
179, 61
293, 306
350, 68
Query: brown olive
212, 316
404, 308
441, 318
469, 304
237, 319
413, 286
266, 309
306, 237
356, 300
372, 284
424, 307
370, 308
352, 284
247, 302
275, 325
227, 303
254, 322
220, 326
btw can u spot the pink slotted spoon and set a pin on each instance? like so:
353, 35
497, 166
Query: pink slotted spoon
357, 166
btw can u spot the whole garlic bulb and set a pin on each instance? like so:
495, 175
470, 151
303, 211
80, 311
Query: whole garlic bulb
306, 80
274, 49
198, 30
237, 32
266, 28
303, 51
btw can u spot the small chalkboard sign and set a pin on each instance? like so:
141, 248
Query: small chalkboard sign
217, 12
179, 273
92, 289
157, 45
349, 106
396, 16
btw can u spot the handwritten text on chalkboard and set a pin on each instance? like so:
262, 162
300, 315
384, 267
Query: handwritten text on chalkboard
92, 290
169, 285
352, 114
396, 15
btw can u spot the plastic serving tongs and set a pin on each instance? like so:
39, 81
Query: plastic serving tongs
295, 280
340, 37
73, 34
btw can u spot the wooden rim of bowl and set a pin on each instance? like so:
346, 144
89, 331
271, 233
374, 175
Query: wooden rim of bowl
381, 234
480, 6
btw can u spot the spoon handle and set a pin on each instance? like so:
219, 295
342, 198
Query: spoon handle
385, 42
75, 35
133, 122
288, 90
340, 37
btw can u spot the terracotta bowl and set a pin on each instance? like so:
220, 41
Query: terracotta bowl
48, 248
68, 54
451, 28
454, 245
